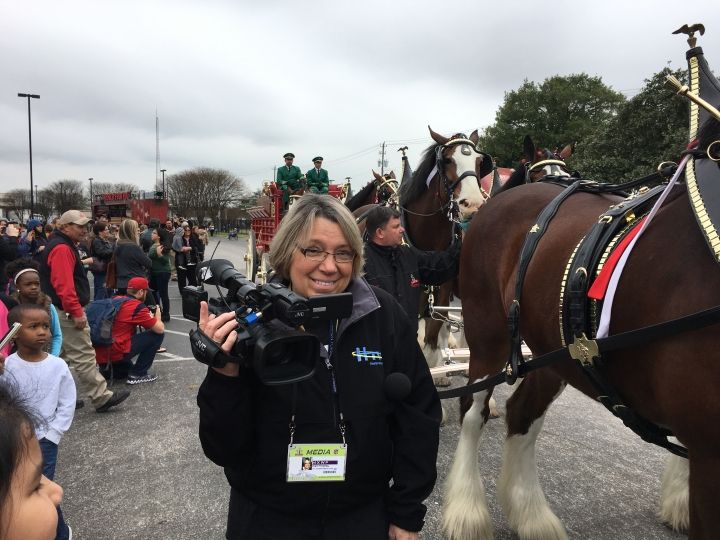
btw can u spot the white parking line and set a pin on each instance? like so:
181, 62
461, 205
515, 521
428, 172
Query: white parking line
176, 332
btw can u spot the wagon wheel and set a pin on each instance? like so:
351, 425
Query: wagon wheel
251, 257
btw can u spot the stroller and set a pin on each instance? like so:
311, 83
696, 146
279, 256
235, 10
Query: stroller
233, 234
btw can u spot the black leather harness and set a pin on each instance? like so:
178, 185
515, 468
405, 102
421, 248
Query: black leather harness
578, 312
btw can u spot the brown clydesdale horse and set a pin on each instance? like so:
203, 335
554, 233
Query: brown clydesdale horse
443, 193
379, 190
672, 381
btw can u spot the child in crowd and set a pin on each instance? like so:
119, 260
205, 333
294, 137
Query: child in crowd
24, 273
28, 499
44, 380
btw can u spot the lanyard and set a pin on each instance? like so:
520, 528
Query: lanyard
333, 388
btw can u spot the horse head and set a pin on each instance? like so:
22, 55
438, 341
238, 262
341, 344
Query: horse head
541, 162
461, 165
386, 187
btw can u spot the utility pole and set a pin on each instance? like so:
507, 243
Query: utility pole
382, 162
163, 173
32, 199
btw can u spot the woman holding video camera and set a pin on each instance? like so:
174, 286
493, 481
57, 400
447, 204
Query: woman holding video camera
369, 416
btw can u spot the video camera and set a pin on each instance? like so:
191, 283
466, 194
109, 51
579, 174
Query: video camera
268, 318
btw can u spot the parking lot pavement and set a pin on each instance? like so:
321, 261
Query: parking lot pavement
138, 472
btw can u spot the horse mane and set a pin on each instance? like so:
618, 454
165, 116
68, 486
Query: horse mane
358, 200
409, 191
517, 178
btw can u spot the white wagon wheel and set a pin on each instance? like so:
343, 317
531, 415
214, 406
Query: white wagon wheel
251, 257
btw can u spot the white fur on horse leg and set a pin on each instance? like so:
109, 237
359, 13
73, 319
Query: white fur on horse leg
421, 332
444, 413
494, 413
674, 494
433, 357
452, 342
519, 489
465, 511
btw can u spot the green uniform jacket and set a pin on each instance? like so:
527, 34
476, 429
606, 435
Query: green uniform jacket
317, 181
288, 179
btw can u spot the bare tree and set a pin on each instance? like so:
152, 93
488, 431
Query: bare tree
67, 195
44, 204
203, 192
112, 187
18, 202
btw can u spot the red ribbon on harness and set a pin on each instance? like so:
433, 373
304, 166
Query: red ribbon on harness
600, 285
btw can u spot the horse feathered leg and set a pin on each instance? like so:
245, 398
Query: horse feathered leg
465, 513
433, 347
519, 488
674, 494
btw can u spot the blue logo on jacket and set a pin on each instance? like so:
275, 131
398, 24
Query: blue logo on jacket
374, 358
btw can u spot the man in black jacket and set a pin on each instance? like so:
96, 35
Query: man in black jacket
401, 269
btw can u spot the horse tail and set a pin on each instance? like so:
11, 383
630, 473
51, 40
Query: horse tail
465, 514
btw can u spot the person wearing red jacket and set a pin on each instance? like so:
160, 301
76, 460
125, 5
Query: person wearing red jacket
64, 279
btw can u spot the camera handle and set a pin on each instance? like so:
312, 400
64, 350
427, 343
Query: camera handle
206, 351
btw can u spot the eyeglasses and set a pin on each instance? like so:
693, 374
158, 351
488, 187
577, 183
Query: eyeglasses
318, 255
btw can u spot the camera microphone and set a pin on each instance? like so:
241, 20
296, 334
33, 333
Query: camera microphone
397, 386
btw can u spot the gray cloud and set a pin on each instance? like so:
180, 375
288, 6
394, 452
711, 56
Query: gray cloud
237, 84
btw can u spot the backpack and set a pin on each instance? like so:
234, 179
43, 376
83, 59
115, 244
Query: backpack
101, 316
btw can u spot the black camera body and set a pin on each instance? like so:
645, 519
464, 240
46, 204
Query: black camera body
268, 318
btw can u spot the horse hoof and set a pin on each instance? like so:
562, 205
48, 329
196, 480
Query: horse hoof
441, 382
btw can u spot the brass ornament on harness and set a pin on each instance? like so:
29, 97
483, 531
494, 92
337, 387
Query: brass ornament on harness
584, 350
709, 151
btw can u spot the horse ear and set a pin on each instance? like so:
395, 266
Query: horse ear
377, 176
437, 137
474, 136
392, 175
528, 149
567, 151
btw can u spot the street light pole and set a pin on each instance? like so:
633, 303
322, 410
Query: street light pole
91, 197
163, 173
32, 199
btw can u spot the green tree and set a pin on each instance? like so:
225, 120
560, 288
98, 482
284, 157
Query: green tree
648, 129
561, 110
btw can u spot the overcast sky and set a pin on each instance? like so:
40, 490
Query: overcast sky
237, 84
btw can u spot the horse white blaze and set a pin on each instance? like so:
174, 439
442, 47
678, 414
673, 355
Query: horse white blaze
465, 512
469, 198
674, 494
519, 488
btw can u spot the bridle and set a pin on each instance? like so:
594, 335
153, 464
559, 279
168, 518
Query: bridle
452, 207
389, 184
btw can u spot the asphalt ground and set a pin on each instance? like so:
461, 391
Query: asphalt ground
138, 472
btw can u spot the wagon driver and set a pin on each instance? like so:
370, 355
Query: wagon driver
317, 177
288, 178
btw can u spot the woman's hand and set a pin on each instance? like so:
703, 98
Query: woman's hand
396, 533
221, 330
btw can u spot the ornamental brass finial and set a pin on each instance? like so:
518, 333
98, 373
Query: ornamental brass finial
690, 31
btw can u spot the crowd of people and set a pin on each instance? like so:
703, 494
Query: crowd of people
388, 439
45, 287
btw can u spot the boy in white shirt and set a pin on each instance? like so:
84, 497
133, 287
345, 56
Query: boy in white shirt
46, 384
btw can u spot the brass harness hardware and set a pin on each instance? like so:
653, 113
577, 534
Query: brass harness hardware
584, 350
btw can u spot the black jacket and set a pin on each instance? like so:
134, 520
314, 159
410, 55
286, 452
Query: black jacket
130, 262
244, 424
102, 249
403, 269
79, 277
